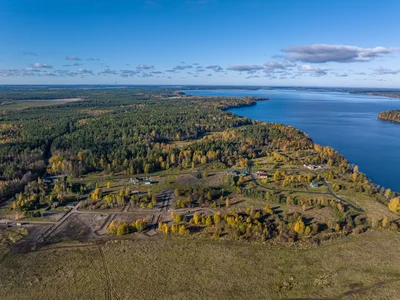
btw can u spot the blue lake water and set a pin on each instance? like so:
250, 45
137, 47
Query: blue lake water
343, 121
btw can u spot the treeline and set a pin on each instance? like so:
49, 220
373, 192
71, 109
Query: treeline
115, 147
390, 115
267, 224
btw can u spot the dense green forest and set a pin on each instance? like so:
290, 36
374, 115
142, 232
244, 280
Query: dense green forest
132, 130
390, 115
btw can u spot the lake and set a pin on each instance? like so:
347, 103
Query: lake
346, 122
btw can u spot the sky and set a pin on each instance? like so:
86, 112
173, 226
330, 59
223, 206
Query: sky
348, 43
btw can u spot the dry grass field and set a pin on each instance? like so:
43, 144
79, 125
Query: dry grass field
359, 267
25, 104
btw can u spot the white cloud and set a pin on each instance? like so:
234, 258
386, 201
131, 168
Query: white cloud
145, 67
313, 71
72, 57
84, 71
39, 66
322, 53
216, 68
246, 68
385, 71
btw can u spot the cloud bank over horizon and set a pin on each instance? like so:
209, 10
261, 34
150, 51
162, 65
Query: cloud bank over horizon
323, 53
282, 68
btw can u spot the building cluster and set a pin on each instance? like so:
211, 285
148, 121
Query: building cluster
314, 167
262, 174
137, 180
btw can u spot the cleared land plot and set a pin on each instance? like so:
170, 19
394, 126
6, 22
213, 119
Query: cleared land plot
78, 227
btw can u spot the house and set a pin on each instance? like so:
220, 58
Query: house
311, 167
134, 180
147, 182
262, 174
55, 204
314, 167
314, 185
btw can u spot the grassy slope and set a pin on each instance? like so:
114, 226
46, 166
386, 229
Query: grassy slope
182, 269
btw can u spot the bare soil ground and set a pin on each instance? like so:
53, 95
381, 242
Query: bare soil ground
78, 227
129, 218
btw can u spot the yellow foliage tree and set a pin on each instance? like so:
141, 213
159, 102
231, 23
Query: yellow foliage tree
165, 228
177, 218
96, 194
217, 218
196, 218
299, 226
307, 231
182, 230
385, 222
394, 204
268, 209
340, 207
112, 228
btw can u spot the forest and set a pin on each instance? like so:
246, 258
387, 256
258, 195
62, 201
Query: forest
129, 130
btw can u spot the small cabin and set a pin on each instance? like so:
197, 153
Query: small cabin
314, 185
262, 174
134, 180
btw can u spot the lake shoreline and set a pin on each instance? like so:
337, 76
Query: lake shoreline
358, 136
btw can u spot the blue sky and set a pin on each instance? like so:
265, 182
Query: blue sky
252, 42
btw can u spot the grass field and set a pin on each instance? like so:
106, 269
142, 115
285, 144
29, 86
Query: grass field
360, 267
24, 104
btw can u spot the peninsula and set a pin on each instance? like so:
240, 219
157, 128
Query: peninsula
390, 115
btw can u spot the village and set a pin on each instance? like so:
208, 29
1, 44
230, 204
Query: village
101, 202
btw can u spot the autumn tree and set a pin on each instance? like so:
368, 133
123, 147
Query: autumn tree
394, 204
268, 209
112, 227
196, 218
299, 226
